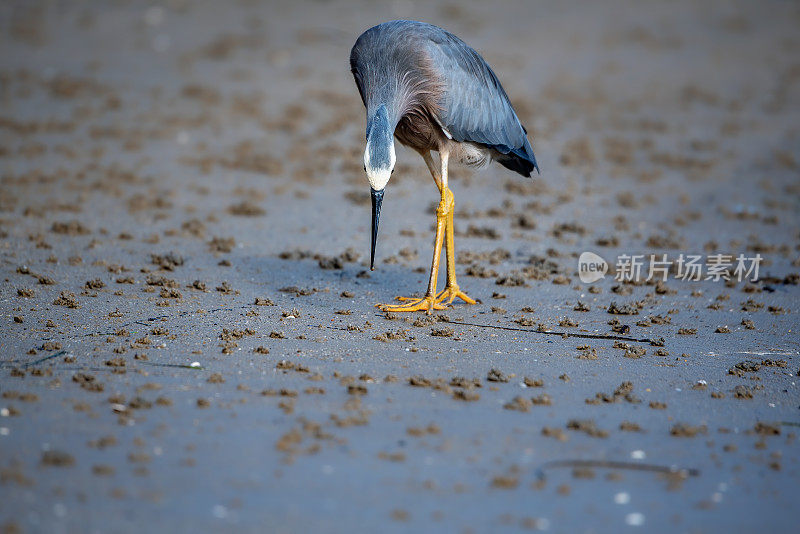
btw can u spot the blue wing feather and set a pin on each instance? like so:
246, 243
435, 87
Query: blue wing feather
475, 106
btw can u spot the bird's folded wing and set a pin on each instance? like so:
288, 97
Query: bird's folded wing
475, 107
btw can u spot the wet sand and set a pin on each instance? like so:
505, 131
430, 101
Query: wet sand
189, 337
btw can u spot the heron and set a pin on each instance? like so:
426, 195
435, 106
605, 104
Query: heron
425, 87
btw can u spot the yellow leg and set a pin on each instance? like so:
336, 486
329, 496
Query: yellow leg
444, 233
451, 290
431, 300
428, 302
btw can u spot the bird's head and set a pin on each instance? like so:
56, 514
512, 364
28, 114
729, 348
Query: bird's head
379, 160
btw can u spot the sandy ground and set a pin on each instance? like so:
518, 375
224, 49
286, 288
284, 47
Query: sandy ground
189, 341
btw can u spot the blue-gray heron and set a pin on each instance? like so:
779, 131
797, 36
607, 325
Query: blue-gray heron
431, 91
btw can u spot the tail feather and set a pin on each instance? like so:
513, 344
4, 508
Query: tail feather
519, 160
517, 164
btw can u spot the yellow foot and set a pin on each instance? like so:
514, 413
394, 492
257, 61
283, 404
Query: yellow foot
426, 304
451, 293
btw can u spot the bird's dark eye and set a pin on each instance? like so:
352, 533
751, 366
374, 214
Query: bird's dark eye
365, 168
392, 171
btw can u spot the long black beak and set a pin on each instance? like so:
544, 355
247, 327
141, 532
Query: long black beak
377, 200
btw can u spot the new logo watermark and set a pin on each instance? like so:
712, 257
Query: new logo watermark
691, 267
591, 267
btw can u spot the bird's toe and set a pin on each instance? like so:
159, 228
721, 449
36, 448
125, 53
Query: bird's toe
426, 304
451, 293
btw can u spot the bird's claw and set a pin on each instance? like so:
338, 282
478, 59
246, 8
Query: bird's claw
451, 293
405, 299
426, 304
